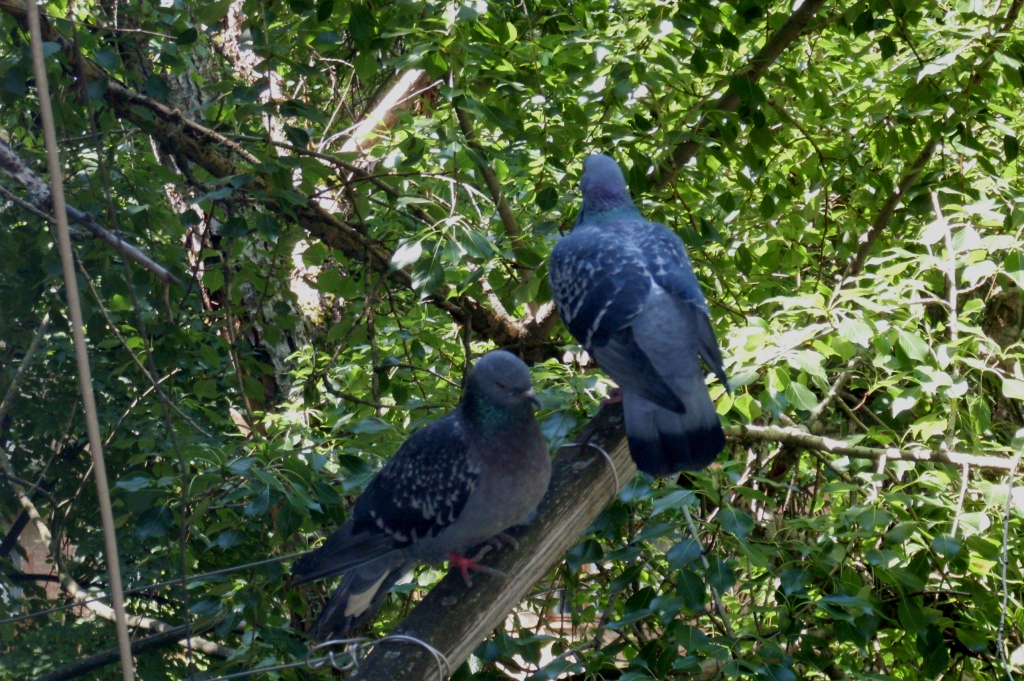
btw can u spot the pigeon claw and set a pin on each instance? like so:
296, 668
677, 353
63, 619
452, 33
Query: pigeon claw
465, 565
501, 540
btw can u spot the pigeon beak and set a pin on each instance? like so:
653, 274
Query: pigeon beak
532, 397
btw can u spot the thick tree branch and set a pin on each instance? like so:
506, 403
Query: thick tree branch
202, 146
773, 48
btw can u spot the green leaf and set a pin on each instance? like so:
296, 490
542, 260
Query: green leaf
206, 388
156, 87
856, 331
683, 553
720, 576
366, 66
187, 37
946, 545
210, 12
698, 63
1013, 389
887, 46
1011, 148
547, 197
406, 254
690, 587
800, 397
1014, 266
748, 91
736, 521
362, 25
728, 40
673, 500
153, 523
913, 345
324, 10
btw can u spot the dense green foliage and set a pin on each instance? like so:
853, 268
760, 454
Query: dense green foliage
280, 405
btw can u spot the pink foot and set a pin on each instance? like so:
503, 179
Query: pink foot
466, 564
614, 397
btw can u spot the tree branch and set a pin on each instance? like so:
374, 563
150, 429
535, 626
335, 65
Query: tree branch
200, 146
773, 48
885, 213
14, 166
913, 452
109, 656
493, 184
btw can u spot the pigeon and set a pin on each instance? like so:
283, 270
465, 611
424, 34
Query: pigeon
626, 290
452, 486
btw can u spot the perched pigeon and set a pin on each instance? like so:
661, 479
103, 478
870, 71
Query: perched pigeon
627, 292
453, 485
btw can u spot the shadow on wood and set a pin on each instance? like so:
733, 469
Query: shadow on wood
455, 619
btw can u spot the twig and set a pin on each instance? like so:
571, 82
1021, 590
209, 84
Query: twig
833, 392
23, 368
692, 527
1004, 559
885, 213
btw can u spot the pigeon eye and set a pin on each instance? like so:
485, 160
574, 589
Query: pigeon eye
501, 385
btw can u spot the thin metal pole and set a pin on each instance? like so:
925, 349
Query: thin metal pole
81, 352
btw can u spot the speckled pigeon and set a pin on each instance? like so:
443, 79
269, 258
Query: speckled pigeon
626, 290
454, 484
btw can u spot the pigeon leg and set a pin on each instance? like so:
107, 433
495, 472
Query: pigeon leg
465, 564
614, 397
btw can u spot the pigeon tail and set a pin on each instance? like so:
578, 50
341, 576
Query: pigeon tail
344, 550
662, 442
356, 600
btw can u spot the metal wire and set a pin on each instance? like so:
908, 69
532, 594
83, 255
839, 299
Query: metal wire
157, 585
355, 649
607, 457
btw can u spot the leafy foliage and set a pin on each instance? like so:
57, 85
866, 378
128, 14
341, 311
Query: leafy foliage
856, 221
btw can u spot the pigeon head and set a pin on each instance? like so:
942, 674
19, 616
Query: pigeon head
501, 379
603, 185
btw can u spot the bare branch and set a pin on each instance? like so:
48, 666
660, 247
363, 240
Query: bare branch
913, 452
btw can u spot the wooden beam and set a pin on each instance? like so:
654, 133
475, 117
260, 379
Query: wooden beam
455, 619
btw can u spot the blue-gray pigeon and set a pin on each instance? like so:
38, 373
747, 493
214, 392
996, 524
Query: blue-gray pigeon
454, 484
626, 291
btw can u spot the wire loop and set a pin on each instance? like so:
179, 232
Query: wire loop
607, 457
